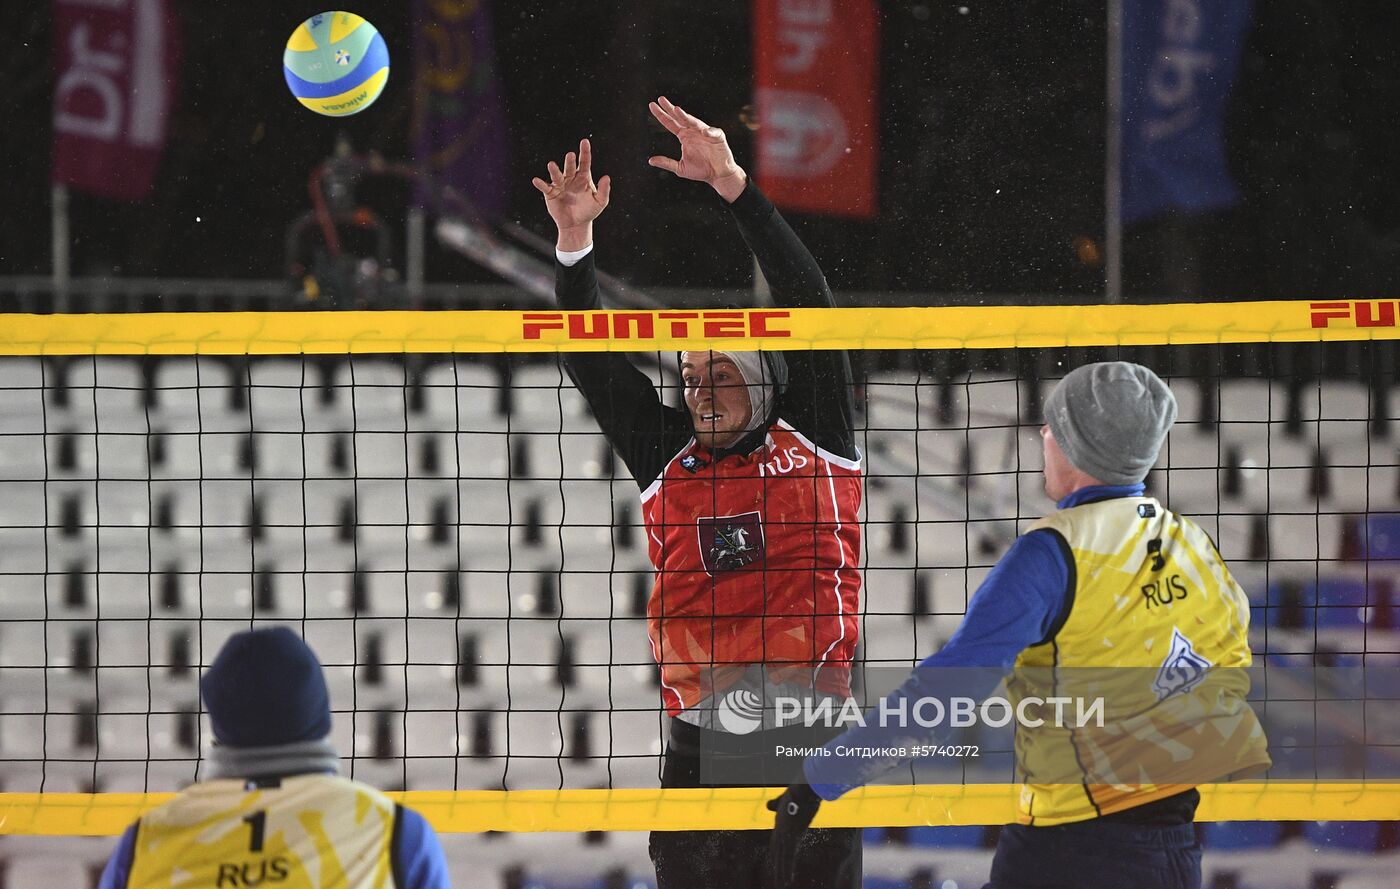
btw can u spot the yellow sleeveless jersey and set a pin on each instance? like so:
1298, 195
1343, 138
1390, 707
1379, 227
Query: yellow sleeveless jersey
311, 832
1157, 629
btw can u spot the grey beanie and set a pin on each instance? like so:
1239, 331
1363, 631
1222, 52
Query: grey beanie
1110, 419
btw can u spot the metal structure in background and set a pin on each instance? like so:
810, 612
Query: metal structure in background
333, 274
1113, 157
339, 256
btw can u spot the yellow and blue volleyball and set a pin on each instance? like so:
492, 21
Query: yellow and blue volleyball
336, 63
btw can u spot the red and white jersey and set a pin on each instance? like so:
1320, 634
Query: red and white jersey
756, 561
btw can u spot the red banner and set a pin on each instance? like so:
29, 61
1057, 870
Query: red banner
816, 72
116, 66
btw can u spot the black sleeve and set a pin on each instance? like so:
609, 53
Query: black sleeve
819, 401
645, 433
395, 840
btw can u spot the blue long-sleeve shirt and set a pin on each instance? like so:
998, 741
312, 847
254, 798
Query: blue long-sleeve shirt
1021, 603
418, 862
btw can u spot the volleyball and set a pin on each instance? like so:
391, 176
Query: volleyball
336, 63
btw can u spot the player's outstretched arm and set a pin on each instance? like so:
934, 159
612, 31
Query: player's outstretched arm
705, 155
629, 412
819, 401
573, 199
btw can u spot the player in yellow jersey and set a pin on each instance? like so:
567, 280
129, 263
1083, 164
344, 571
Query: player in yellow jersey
275, 814
1111, 598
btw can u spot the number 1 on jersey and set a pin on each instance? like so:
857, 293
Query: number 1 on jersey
258, 823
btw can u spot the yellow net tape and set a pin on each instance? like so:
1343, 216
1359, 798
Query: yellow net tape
974, 327
108, 814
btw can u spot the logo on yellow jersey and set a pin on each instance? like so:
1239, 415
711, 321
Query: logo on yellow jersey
1182, 670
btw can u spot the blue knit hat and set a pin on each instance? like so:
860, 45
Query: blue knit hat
265, 688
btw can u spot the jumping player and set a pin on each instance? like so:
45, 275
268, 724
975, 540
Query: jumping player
750, 497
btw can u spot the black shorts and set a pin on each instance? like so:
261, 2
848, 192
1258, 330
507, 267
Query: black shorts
1099, 852
704, 859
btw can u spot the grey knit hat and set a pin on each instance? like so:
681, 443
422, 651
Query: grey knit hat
1110, 419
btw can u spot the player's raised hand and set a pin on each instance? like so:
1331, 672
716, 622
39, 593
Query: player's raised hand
705, 155
571, 196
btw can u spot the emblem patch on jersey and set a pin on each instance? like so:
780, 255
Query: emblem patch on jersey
1182, 670
729, 543
692, 463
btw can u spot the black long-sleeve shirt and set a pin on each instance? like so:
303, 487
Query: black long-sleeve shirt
817, 401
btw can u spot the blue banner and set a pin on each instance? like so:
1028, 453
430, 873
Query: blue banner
1179, 61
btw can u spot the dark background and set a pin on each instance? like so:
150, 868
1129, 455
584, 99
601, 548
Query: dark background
991, 149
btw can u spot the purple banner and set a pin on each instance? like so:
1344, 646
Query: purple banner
459, 120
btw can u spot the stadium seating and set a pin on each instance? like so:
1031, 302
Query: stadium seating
1225, 835
1356, 836
1335, 602
1374, 536
461, 394
970, 837
46, 871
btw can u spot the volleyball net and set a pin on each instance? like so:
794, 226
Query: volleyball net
426, 498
